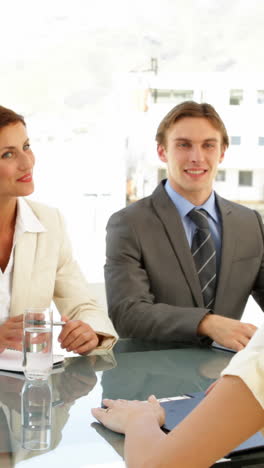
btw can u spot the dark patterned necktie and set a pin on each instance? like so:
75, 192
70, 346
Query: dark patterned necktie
204, 255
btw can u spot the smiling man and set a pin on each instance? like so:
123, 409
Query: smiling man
182, 263
192, 149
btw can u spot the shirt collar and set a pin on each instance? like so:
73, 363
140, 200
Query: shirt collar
185, 206
26, 219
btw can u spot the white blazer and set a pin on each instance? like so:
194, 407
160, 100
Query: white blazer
45, 270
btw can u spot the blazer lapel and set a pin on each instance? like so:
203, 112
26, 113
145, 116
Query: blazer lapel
23, 264
228, 243
173, 226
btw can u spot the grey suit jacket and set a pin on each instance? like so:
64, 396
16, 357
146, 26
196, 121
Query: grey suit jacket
153, 290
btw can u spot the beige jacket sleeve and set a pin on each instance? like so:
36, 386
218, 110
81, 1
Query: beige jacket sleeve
45, 271
73, 298
248, 364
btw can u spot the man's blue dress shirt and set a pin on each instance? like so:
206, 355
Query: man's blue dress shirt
184, 207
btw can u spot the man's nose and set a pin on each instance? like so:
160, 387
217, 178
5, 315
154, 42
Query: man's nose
196, 154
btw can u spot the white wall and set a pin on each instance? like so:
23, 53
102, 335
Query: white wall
231, 190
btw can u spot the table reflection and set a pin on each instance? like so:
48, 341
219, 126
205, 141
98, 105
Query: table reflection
36, 415
5, 442
33, 413
164, 373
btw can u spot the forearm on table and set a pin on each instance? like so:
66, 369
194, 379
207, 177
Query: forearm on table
226, 417
142, 435
156, 321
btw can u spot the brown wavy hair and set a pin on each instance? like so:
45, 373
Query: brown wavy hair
8, 117
191, 109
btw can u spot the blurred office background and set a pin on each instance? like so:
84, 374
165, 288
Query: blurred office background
93, 80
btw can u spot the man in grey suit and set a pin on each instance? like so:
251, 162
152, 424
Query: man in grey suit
152, 283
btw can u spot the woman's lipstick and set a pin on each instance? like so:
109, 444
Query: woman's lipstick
25, 178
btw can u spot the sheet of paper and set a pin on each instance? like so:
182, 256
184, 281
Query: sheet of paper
223, 348
11, 360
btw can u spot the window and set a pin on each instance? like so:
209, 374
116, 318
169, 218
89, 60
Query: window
235, 140
245, 178
174, 96
221, 176
260, 96
261, 141
236, 97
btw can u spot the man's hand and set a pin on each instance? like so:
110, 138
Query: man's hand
119, 413
11, 332
227, 332
77, 336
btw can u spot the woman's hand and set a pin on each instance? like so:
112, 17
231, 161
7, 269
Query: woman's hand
77, 336
11, 332
119, 413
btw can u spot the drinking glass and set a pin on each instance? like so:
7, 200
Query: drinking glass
37, 343
36, 415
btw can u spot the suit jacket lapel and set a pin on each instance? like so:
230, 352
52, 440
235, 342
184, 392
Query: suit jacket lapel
228, 243
23, 265
173, 226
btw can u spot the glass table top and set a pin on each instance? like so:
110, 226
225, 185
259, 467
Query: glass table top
60, 415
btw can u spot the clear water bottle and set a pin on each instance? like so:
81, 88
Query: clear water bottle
37, 343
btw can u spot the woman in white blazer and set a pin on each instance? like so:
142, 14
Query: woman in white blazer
36, 262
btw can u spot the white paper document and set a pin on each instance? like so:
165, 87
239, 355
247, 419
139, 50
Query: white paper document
11, 360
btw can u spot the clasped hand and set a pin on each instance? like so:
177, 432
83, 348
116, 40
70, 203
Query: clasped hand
77, 336
11, 332
227, 332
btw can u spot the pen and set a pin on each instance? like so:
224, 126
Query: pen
42, 322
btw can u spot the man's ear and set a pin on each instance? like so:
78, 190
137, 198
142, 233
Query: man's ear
162, 153
222, 154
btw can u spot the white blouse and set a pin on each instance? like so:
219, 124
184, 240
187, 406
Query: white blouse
26, 221
248, 364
